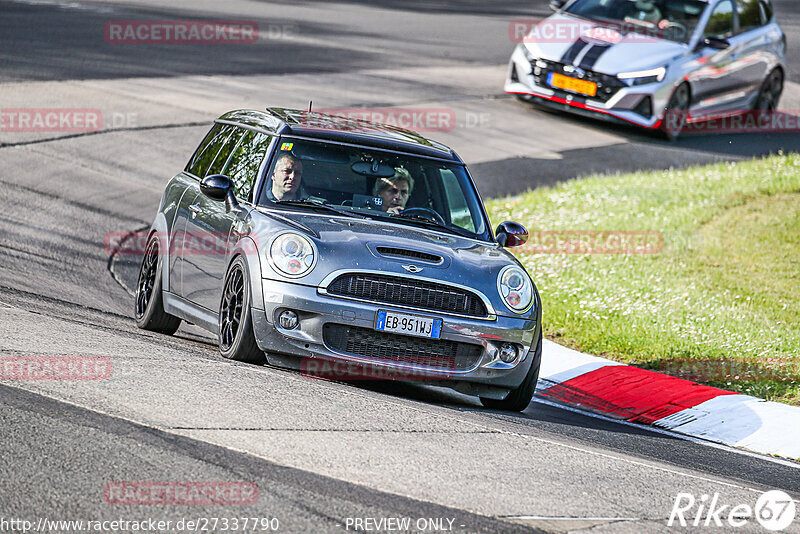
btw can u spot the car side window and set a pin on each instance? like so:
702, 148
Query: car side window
207, 152
459, 211
720, 24
245, 161
766, 10
749, 14
234, 134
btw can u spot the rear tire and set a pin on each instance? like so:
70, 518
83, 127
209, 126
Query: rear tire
677, 112
236, 338
149, 307
519, 399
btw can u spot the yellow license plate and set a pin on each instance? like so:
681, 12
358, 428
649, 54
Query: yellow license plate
572, 84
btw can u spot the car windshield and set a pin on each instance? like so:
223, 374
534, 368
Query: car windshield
674, 20
368, 182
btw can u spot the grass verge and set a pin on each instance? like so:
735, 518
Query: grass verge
720, 302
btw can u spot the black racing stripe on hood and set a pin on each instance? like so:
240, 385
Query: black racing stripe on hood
573, 51
592, 55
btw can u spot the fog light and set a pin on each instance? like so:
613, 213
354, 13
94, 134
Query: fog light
288, 320
508, 352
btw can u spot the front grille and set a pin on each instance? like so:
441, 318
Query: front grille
408, 292
400, 349
403, 253
607, 86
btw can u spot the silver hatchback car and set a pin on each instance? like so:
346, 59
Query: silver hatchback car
344, 249
653, 63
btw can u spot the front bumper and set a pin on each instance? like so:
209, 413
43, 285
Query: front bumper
625, 106
317, 310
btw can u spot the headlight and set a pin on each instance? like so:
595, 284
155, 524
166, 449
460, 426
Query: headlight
515, 288
292, 255
643, 77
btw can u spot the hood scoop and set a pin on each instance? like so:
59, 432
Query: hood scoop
404, 254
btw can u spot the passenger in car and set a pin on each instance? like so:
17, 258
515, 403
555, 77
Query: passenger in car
286, 180
394, 190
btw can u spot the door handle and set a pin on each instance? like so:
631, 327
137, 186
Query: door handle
195, 209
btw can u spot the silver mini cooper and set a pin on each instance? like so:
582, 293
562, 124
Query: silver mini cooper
344, 249
657, 64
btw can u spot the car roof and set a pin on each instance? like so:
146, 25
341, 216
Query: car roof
324, 126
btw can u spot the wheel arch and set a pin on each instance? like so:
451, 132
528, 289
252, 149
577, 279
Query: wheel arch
247, 249
681, 82
161, 229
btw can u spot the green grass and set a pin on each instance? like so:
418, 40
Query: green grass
720, 304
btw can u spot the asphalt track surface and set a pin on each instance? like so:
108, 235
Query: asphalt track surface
320, 452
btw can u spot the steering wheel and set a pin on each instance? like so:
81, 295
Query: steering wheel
673, 26
422, 213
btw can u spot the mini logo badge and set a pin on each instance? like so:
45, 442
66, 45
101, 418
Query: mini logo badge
412, 268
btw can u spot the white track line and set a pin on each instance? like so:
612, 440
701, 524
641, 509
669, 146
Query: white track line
686, 437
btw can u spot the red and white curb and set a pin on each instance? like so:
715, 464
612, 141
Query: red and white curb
641, 396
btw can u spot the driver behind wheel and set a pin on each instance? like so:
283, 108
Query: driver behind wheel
394, 190
646, 10
286, 180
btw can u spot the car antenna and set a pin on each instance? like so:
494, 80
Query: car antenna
309, 105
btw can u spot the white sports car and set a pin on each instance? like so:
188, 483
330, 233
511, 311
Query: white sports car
653, 63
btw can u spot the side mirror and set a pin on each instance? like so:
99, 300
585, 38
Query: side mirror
716, 43
216, 186
556, 5
511, 234
219, 187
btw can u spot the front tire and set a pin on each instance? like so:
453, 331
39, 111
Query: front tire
149, 309
519, 399
236, 338
770, 93
677, 112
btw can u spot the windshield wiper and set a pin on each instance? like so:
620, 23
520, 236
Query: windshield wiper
319, 205
438, 225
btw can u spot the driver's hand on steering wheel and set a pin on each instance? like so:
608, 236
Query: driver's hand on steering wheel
395, 210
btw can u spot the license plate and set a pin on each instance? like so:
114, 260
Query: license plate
572, 84
410, 325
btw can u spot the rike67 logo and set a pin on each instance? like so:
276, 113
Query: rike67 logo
774, 510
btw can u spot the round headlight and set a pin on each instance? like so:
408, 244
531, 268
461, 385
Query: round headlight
292, 255
515, 288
